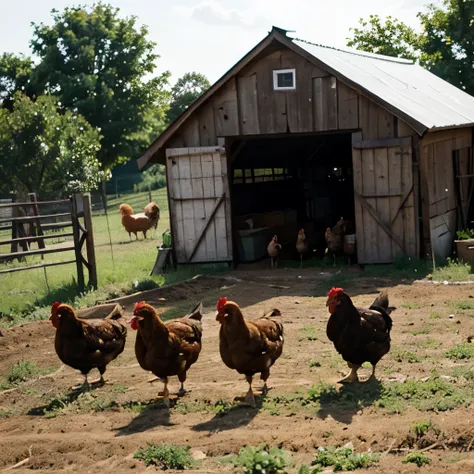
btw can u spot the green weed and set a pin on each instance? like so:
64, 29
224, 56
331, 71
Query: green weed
343, 459
420, 459
166, 456
262, 460
461, 351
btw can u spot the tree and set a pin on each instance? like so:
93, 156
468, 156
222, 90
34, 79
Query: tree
45, 150
95, 63
390, 38
448, 42
186, 90
15, 75
445, 46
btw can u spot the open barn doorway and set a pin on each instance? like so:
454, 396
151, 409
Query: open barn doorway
281, 184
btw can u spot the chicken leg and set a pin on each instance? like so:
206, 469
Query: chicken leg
372, 375
85, 386
165, 393
351, 377
301, 260
249, 398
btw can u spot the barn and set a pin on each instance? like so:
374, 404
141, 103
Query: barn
298, 134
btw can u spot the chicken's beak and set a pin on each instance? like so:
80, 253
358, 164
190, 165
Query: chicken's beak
134, 322
220, 317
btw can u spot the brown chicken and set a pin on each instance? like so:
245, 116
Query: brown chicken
301, 245
249, 347
335, 239
141, 222
273, 250
169, 348
87, 344
359, 334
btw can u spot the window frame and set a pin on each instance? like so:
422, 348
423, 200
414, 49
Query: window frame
276, 72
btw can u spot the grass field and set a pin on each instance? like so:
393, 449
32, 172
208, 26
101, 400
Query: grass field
120, 263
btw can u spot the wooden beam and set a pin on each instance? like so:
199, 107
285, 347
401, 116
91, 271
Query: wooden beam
57, 225
21, 204
376, 216
29, 253
208, 222
402, 142
404, 200
42, 237
90, 241
32, 267
193, 151
33, 218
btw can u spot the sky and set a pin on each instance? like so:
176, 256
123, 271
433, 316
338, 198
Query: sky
210, 36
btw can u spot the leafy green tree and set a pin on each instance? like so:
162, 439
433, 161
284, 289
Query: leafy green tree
448, 42
96, 63
186, 90
445, 45
15, 75
46, 150
390, 38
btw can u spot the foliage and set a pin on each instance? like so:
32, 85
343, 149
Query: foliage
420, 459
461, 351
153, 178
46, 151
186, 90
422, 427
465, 234
20, 372
390, 38
262, 459
454, 270
166, 456
95, 62
15, 72
343, 459
444, 45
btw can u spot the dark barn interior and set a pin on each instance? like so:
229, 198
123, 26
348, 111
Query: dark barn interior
282, 184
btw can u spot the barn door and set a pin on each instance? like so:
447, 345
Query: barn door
199, 204
384, 199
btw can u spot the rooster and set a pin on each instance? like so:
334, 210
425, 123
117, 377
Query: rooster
169, 348
141, 222
273, 250
249, 347
359, 334
335, 238
87, 344
301, 245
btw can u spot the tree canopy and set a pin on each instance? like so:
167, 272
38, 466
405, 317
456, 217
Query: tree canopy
444, 45
185, 91
97, 63
46, 150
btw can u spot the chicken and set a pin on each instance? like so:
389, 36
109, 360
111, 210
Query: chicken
335, 238
359, 334
169, 348
301, 245
273, 250
87, 344
249, 347
141, 222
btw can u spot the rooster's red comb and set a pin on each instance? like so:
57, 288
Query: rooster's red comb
335, 292
221, 303
56, 306
139, 305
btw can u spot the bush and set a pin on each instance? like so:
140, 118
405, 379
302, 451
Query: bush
153, 178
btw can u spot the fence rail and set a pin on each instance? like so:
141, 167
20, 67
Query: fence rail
27, 229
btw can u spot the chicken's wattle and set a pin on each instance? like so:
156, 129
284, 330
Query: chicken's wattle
134, 323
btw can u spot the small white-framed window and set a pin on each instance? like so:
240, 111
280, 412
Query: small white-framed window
284, 79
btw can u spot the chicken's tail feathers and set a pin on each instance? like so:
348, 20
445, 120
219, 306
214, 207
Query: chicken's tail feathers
381, 301
275, 316
116, 313
196, 313
385, 315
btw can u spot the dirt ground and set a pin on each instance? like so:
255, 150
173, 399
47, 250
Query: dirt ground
100, 431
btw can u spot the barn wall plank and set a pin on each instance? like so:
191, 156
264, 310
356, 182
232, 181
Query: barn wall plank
382, 203
207, 163
395, 190
359, 214
325, 103
371, 242
207, 128
190, 133
409, 231
226, 117
248, 104
348, 107
197, 189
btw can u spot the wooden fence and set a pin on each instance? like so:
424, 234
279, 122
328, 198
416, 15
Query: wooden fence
28, 226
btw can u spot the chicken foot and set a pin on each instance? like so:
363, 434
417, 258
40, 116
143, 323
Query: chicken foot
249, 399
165, 393
372, 375
352, 376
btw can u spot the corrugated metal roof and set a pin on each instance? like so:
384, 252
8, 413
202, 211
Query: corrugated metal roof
406, 86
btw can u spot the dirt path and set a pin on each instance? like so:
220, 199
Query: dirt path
100, 431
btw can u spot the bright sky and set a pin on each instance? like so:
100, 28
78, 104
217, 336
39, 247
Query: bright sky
210, 36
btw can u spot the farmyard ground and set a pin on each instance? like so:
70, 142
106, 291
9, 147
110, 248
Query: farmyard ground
100, 431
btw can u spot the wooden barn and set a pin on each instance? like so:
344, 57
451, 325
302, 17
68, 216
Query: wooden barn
298, 135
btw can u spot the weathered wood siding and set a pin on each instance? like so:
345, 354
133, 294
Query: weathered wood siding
248, 105
438, 174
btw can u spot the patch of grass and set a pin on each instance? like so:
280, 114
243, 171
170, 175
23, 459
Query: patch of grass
219, 408
314, 363
411, 305
343, 459
429, 343
422, 427
308, 333
435, 316
464, 305
166, 456
420, 459
452, 271
461, 351
261, 460
21, 371
465, 372
417, 332
402, 355
119, 388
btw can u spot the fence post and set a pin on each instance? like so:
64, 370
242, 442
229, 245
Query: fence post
77, 245
90, 240
39, 230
